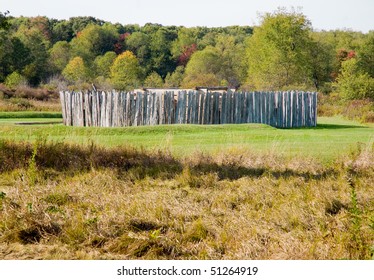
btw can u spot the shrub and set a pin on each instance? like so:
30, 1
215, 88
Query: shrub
5, 91
21, 103
154, 80
15, 79
37, 94
361, 110
352, 83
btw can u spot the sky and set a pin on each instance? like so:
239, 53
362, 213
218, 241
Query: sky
355, 15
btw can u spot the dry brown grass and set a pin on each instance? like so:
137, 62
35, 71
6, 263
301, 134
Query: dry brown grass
25, 98
128, 204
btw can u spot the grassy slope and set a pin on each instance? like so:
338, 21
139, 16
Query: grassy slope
332, 137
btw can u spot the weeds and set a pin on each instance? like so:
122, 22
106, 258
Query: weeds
122, 203
32, 170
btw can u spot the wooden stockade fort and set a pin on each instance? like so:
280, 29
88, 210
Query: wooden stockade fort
286, 109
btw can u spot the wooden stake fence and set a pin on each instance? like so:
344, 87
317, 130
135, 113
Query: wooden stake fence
115, 109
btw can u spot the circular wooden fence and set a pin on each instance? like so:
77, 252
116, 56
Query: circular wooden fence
115, 109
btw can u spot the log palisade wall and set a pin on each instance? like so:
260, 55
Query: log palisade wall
115, 109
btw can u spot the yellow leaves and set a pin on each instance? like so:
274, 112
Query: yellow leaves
125, 71
75, 70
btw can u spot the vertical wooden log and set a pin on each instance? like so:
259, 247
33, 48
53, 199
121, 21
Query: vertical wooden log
172, 106
315, 104
72, 110
120, 108
294, 109
144, 106
167, 107
305, 115
188, 107
299, 109
162, 108
132, 114
242, 107
207, 107
150, 107
114, 108
93, 108
201, 107
275, 109
85, 108
280, 109
236, 111
287, 109
124, 108
216, 98
127, 120
249, 107
191, 107
223, 108
263, 106
255, 107
184, 107
229, 107
258, 107
157, 108
97, 108
270, 108
137, 109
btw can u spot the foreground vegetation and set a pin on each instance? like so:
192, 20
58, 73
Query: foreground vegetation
60, 201
332, 138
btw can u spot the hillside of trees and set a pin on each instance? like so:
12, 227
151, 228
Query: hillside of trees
283, 52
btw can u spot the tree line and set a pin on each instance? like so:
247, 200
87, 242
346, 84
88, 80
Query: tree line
283, 52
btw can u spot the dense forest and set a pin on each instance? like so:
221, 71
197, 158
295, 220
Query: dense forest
283, 52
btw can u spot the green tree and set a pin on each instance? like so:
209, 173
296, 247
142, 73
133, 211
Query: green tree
186, 38
138, 43
175, 79
76, 71
15, 79
59, 56
322, 64
202, 68
278, 52
353, 82
103, 63
232, 65
5, 55
154, 80
160, 46
218, 65
38, 44
62, 30
94, 40
366, 54
4, 24
125, 71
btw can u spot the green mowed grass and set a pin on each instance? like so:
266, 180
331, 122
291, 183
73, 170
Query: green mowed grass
29, 115
333, 137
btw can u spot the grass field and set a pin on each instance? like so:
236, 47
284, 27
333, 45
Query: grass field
186, 192
333, 136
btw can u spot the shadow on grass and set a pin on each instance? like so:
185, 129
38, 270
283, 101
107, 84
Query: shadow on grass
337, 126
235, 172
129, 162
325, 126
